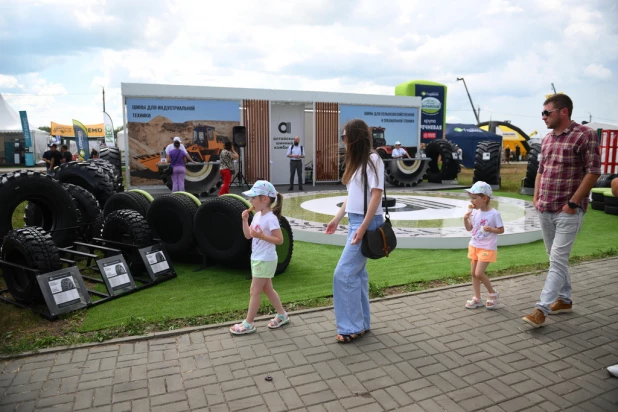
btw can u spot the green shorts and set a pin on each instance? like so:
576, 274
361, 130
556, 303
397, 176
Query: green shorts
263, 269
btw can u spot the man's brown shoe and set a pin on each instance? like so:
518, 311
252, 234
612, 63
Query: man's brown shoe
559, 306
536, 318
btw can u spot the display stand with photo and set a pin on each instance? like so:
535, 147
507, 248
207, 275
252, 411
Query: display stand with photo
116, 275
64, 290
158, 263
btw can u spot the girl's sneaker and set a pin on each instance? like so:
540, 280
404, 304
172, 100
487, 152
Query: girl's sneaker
474, 303
242, 328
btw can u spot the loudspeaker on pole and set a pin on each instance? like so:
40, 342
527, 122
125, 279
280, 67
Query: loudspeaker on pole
239, 136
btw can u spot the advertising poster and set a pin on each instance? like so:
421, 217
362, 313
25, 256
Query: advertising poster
202, 125
157, 261
67, 130
63, 290
108, 130
25, 127
287, 121
393, 123
81, 140
433, 111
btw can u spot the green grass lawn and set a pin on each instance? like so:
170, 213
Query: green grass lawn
219, 290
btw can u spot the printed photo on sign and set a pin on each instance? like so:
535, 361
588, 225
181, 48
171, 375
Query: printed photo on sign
391, 124
64, 291
157, 261
116, 275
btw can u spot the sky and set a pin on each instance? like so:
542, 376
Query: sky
57, 56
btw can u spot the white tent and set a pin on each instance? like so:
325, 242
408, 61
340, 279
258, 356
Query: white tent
11, 133
604, 126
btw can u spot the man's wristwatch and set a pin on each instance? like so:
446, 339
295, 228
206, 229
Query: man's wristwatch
572, 205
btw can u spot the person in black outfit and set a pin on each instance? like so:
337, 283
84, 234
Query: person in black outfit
52, 158
296, 153
66, 155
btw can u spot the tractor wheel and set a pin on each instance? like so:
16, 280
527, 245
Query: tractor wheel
114, 174
404, 173
30, 247
112, 155
89, 176
487, 169
55, 206
450, 163
285, 250
200, 178
533, 165
170, 218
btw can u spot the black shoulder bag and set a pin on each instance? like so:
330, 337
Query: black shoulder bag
381, 242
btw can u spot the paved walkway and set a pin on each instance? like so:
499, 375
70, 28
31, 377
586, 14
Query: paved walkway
425, 353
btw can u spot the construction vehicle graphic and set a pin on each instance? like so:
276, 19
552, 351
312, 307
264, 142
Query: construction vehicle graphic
202, 176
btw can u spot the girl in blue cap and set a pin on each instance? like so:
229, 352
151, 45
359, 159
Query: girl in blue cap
266, 234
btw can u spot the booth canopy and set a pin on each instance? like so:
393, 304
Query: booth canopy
467, 137
9, 118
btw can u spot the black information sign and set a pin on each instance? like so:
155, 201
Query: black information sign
116, 275
157, 261
64, 290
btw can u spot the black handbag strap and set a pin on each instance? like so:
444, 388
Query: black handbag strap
387, 216
176, 156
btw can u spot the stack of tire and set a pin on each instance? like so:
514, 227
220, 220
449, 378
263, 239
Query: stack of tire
487, 163
602, 197
112, 155
220, 237
451, 167
94, 176
533, 165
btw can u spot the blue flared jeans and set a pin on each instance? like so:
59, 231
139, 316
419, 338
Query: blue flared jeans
351, 282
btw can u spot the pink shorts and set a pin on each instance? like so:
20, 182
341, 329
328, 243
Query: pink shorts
482, 255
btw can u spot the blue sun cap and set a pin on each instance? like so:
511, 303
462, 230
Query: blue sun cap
480, 188
261, 188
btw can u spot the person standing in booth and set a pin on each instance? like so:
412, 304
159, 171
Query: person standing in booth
296, 153
399, 152
227, 157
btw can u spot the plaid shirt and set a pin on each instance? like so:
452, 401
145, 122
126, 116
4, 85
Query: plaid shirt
565, 159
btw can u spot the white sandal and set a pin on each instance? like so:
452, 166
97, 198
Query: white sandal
492, 302
278, 321
474, 303
242, 328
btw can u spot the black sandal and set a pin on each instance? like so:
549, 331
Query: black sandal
348, 338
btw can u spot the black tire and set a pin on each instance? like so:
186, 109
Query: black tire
611, 201
114, 173
611, 210
200, 178
89, 176
127, 200
170, 218
97, 226
128, 226
218, 229
88, 207
390, 202
487, 171
285, 250
597, 205
58, 212
32, 215
404, 173
450, 164
533, 164
34, 248
112, 155
605, 180
598, 197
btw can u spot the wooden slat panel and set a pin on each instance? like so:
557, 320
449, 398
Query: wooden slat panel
326, 142
257, 152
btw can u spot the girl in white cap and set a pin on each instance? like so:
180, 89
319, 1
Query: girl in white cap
485, 223
266, 233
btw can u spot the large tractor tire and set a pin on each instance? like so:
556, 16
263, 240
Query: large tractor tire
127, 200
218, 229
87, 206
450, 164
57, 210
404, 173
201, 179
128, 226
285, 250
97, 226
605, 180
170, 218
114, 174
112, 155
487, 170
533, 165
34, 248
89, 176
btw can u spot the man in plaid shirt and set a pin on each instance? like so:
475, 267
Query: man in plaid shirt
569, 166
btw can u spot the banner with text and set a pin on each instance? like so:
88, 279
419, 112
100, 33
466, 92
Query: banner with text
399, 123
433, 118
25, 127
109, 130
65, 130
81, 140
286, 121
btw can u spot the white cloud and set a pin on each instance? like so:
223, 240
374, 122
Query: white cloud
598, 71
8, 82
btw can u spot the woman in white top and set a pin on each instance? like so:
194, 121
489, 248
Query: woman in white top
351, 280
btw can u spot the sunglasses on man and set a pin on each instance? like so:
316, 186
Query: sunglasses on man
546, 113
